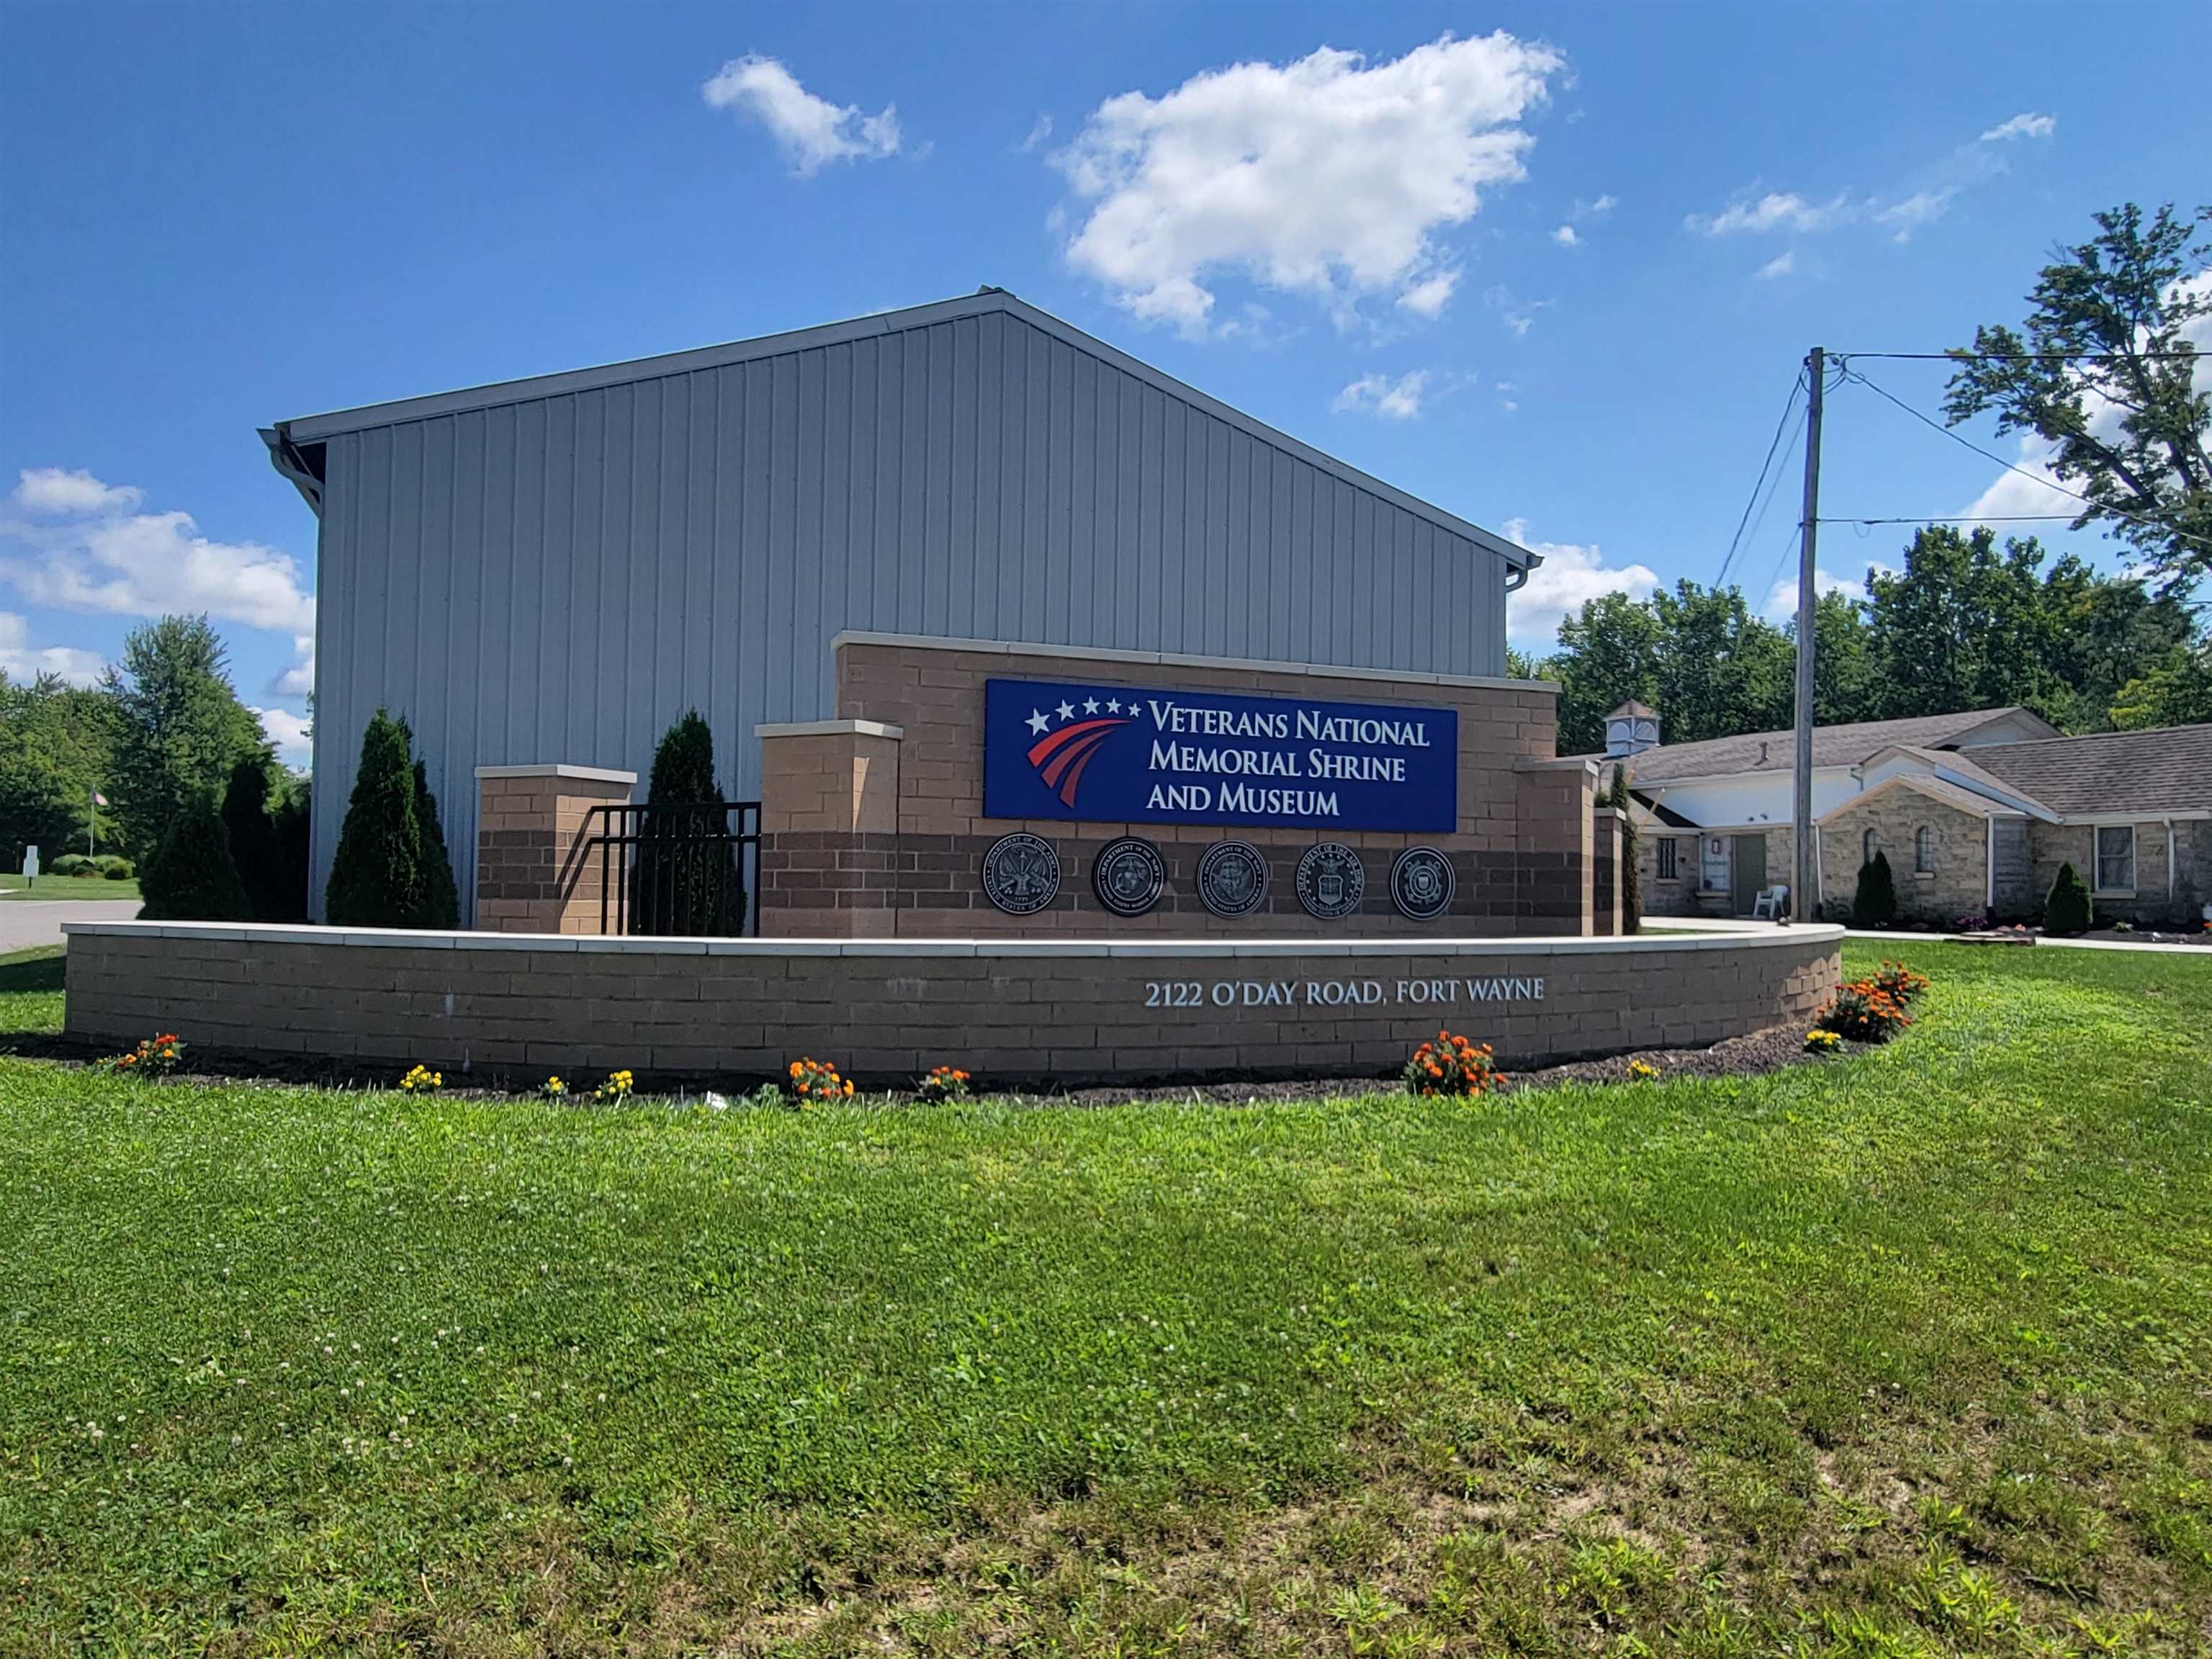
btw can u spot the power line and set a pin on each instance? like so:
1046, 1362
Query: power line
1968, 518
2027, 357
1989, 455
1772, 447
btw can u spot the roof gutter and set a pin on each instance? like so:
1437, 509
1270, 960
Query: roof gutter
290, 459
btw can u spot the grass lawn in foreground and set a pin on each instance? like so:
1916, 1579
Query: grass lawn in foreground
1905, 1354
47, 888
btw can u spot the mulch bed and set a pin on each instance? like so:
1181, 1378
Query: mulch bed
1743, 1056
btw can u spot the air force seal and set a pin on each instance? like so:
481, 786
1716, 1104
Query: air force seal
1232, 878
1331, 880
1129, 875
1021, 874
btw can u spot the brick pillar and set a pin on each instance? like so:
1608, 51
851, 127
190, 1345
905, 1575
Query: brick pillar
533, 874
1606, 881
1555, 810
829, 844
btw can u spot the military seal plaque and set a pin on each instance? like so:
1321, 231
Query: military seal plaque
1422, 883
1129, 875
1021, 874
1331, 880
1232, 878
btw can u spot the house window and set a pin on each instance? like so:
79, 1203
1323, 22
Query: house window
1713, 868
1923, 851
1667, 850
1870, 844
2116, 857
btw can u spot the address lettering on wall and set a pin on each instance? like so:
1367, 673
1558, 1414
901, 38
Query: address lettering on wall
1489, 990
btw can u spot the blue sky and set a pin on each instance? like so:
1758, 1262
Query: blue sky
1552, 268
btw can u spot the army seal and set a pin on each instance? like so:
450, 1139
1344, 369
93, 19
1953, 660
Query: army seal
1021, 874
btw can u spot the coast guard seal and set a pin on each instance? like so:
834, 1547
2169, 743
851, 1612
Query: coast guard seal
1331, 880
1021, 874
1232, 878
1129, 875
1422, 883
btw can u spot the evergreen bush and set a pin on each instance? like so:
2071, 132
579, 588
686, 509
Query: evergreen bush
71, 864
2068, 909
682, 882
288, 829
1631, 878
440, 903
190, 877
117, 869
376, 875
1876, 903
253, 839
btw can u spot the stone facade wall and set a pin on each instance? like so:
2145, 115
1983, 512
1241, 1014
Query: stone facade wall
2150, 904
1522, 853
1682, 896
1957, 886
492, 1006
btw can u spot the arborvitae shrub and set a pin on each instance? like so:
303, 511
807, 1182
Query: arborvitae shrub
190, 877
253, 839
1631, 878
1876, 903
376, 875
442, 903
2068, 909
682, 882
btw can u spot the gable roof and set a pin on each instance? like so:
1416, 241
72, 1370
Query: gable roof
289, 440
2169, 769
1847, 745
1937, 789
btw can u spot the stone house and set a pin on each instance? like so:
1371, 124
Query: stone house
1976, 811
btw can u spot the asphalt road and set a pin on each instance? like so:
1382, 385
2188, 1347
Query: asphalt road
27, 922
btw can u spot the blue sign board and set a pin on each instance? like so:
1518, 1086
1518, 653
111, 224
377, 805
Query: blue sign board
1111, 753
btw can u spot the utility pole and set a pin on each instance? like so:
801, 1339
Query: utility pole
1802, 897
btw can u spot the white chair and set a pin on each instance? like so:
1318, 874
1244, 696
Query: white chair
1771, 903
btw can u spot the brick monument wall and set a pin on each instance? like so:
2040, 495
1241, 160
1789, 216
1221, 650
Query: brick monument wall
499, 1006
900, 853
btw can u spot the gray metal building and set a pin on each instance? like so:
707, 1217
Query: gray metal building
555, 569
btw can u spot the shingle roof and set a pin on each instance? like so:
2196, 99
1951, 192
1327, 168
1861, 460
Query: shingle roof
2165, 770
1776, 751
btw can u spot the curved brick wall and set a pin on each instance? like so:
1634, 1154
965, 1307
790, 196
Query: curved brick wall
1061, 1011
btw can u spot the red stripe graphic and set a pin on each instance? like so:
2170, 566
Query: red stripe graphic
1063, 757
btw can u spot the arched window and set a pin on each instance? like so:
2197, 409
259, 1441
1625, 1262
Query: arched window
1923, 851
1870, 844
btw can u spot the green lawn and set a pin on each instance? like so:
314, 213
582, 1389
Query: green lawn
1906, 1354
69, 887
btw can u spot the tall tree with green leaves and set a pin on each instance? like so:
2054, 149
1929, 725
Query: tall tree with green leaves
2104, 370
179, 728
1963, 625
376, 874
1608, 653
55, 743
1721, 669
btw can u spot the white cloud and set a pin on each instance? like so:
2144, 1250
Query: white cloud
2020, 126
51, 492
101, 554
1775, 210
1570, 577
1564, 236
1040, 130
22, 661
1780, 265
297, 680
1782, 597
1378, 394
1596, 209
290, 732
1324, 176
813, 131
1427, 298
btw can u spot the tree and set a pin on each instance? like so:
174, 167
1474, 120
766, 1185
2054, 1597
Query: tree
1874, 905
179, 728
192, 876
376, 874
1722, 670
55, 741
2105, 373
1963, 626
1845, 684
1631, 878
1608, 653
2177, 690
684, 881
2067, 910
441, 904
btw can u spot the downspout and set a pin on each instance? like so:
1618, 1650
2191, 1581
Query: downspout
1989, 871
2171, 889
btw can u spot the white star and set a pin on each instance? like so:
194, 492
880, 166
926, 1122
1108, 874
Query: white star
1091, 705
1066, 711
1037, 722
1113, 705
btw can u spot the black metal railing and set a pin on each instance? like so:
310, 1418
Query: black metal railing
690, 869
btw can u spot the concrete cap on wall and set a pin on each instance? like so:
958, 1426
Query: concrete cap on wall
830, 729
560, 769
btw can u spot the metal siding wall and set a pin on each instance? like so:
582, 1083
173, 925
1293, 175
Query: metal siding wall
558, 579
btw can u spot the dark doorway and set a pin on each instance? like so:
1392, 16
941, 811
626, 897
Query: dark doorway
1750, 876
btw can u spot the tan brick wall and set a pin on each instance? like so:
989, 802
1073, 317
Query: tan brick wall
1522, 851
1957, 886
535, 874
480, 1006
